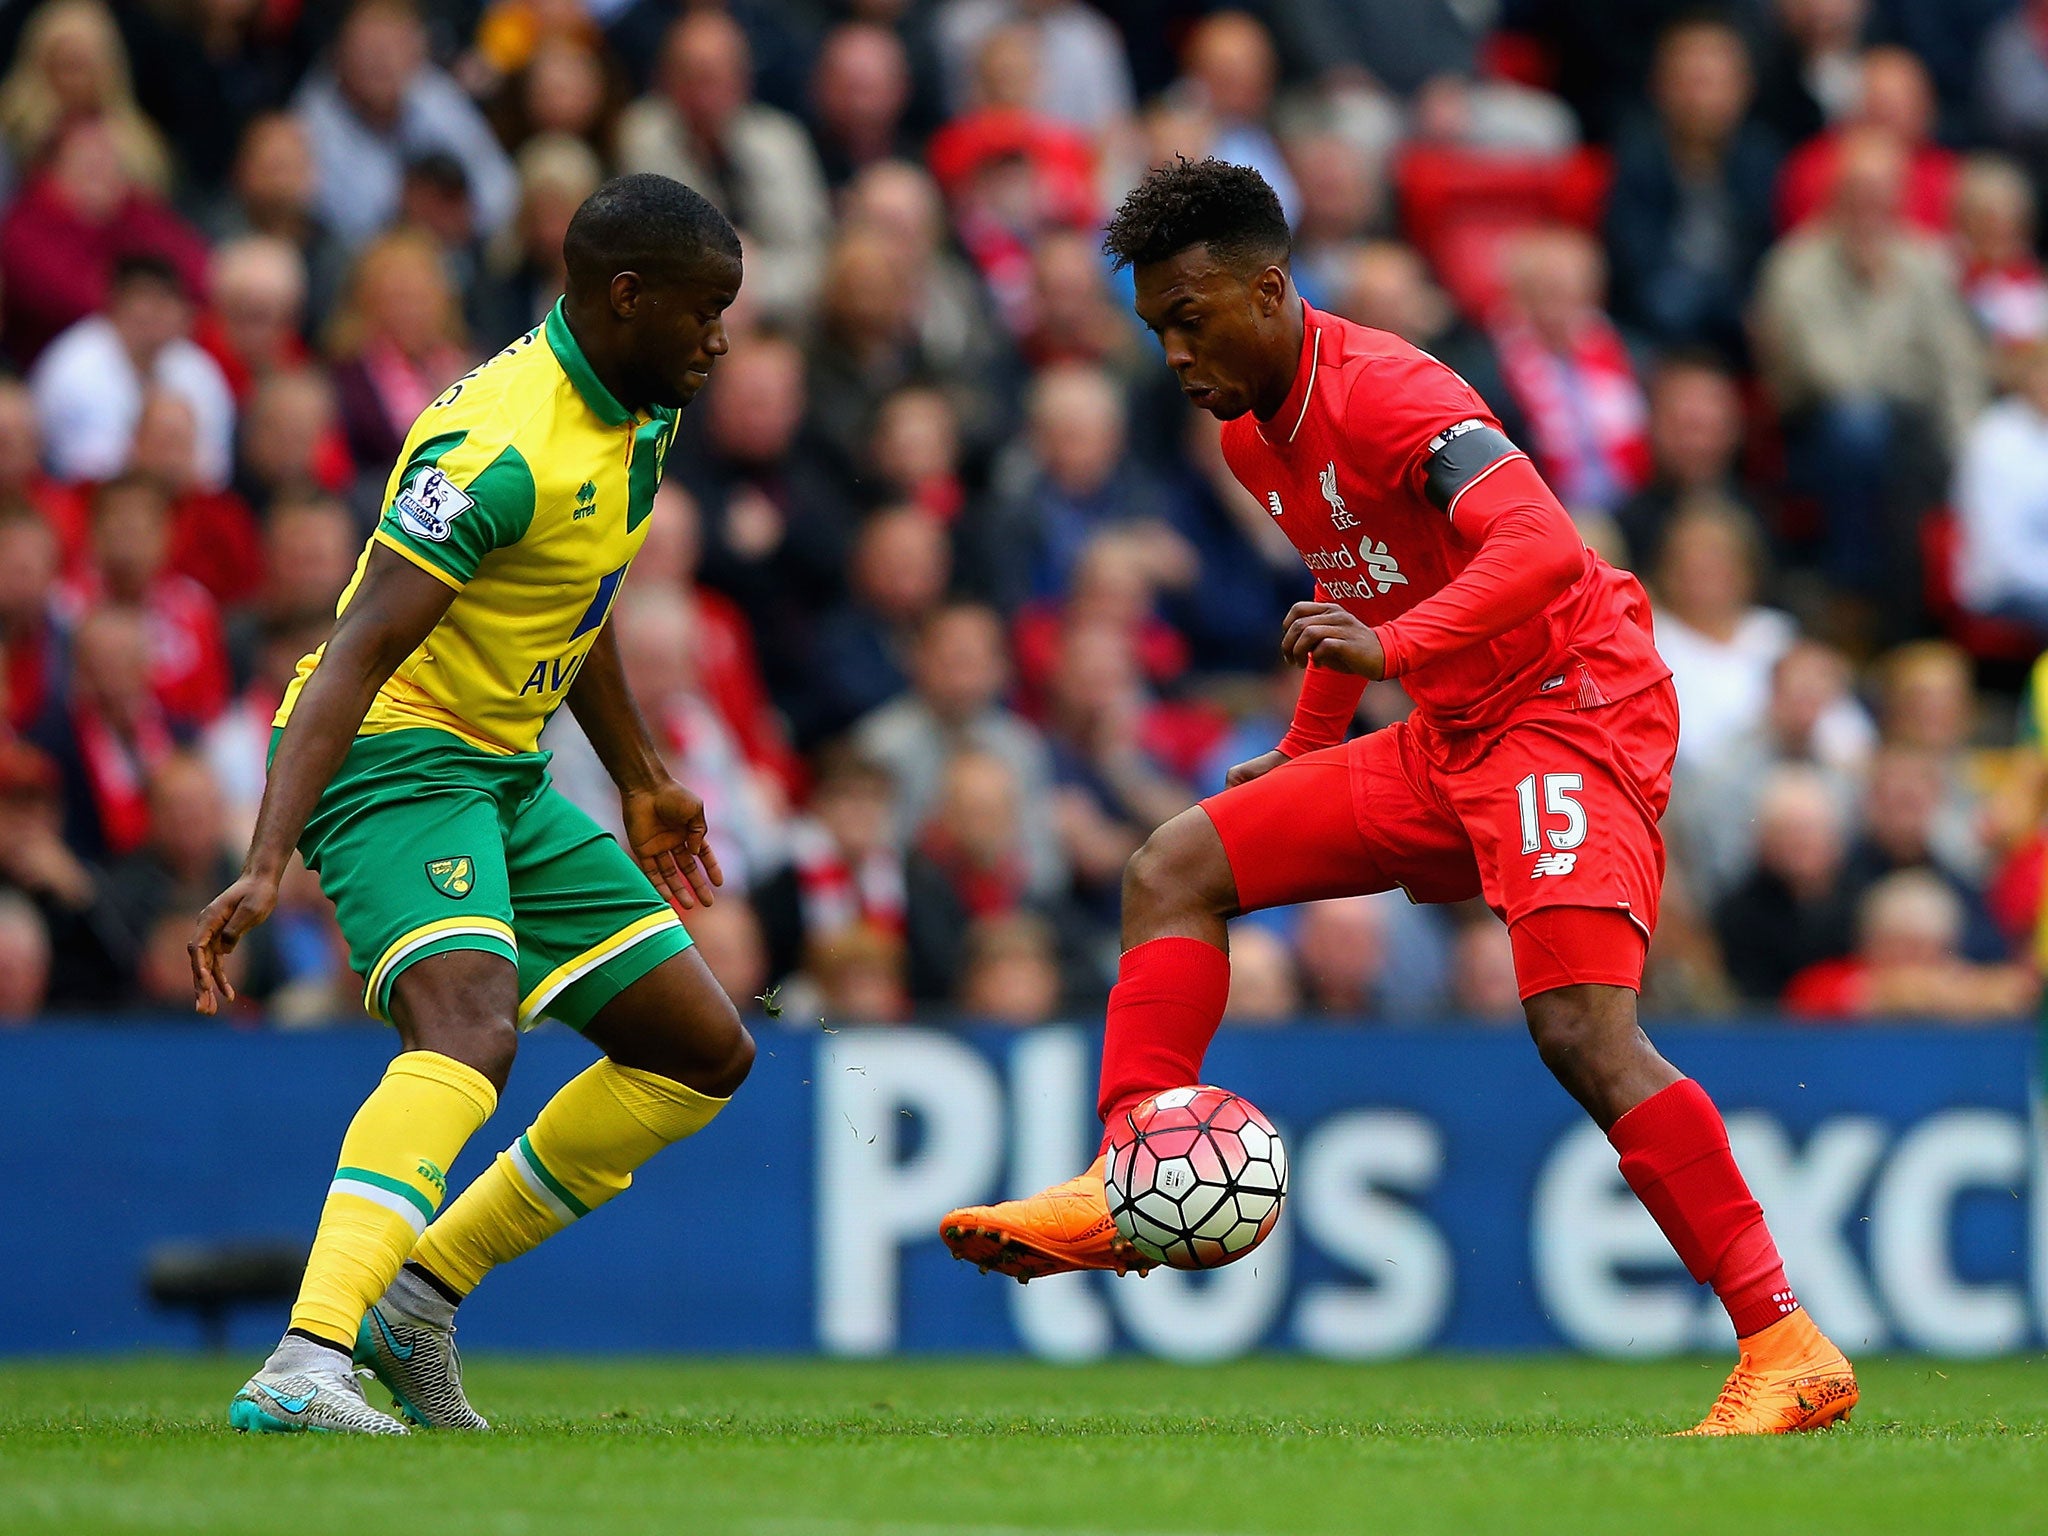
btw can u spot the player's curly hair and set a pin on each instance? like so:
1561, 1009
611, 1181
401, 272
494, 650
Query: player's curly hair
1183, 203
644, 223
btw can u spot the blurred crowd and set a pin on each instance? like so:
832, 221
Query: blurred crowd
949, 599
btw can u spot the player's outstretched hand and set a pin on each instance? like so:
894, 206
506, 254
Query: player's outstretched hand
1332, 637
230, 915
665, 829
1245, 772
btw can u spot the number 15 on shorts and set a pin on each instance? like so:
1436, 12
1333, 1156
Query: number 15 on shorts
1558, 790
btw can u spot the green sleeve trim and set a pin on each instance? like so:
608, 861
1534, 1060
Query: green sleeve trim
427, 454
431, 448
492, 510
505, 492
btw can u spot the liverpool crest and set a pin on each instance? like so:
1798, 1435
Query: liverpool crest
1340, 515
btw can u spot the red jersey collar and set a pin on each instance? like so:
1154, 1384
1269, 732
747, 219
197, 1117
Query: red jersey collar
1293, 410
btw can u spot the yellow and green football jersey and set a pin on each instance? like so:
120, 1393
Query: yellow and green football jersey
526, 487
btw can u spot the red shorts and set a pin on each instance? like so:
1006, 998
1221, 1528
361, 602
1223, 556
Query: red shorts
1559, 811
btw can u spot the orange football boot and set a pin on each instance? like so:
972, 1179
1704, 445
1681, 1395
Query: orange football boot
1066, 1227
1790, 1378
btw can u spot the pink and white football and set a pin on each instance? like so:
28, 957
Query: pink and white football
1196, 1177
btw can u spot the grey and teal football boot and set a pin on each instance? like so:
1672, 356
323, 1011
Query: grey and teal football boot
305, 1388
407, 1339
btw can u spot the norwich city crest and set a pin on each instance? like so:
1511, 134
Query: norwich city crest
452, 877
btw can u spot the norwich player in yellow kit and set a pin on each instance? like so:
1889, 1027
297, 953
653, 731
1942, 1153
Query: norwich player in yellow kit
474, 897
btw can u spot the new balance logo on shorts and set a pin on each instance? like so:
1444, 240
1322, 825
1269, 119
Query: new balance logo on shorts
1554, 864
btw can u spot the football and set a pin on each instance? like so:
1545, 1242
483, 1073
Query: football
1196, 1177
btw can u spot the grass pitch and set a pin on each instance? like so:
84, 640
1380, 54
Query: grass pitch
972, 1448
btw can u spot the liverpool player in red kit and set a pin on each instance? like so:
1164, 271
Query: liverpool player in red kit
1532, 770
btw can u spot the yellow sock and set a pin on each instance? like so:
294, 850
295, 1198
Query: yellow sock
578, 1153
391, 1179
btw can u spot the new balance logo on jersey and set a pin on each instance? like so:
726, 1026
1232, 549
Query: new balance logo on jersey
1553, 864
1273, 501
1340, 515
1380, 566
428, 503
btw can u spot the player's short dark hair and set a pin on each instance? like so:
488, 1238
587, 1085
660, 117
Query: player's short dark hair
648, 224
1229, 208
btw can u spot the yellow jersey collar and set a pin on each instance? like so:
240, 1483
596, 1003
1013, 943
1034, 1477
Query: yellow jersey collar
563, 344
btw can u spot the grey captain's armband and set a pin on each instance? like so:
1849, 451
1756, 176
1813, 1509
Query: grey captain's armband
1459, 455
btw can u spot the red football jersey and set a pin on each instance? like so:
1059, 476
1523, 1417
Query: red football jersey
1361, 469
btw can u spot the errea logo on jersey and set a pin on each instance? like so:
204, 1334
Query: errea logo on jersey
428, 503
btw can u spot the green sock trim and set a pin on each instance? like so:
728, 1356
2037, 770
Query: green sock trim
555, 1186
385, 1182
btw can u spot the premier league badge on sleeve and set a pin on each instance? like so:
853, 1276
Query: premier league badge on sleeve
428, 503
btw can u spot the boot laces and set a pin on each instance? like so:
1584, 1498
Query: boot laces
1738, 1395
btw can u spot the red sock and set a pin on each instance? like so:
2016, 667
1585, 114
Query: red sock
1674, 1154
1163, 1012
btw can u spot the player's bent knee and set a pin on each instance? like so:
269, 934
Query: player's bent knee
704, 1047
739, 1063
481, 1039
1181, 867
679, 1023
1584, 1034
1565, 1024
720, 1052
463, 1005
716, 1052
1590, 1039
